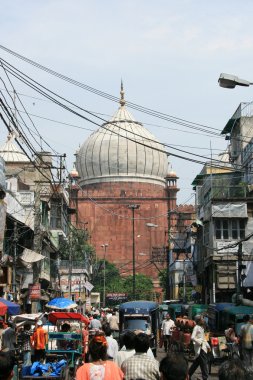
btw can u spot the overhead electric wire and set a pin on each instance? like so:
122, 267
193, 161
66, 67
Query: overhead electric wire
16, 109
105, 95
19, 76
130, 104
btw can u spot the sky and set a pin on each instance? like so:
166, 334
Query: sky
169, 55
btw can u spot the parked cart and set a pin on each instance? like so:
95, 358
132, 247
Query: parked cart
66, 347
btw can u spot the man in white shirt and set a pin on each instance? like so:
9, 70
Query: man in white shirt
128, 350
166, 331
201, 347
112, 344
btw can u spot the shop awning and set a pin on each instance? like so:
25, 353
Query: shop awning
30, 256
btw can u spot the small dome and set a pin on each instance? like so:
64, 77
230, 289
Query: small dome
74, 173
172, 174
122, 150
10, 152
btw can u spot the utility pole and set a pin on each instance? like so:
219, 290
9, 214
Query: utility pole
14, 283
104, 246
37, 244
70, 265
168, 261
239, 268
133, 208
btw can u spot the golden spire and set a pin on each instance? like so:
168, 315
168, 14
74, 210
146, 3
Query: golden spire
122, 101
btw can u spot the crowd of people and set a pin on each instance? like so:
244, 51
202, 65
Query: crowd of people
134, 360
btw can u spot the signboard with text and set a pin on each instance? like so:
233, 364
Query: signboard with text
116, 297
34, 292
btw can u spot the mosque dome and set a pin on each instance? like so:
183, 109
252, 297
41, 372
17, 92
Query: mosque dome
122, 150
10, 152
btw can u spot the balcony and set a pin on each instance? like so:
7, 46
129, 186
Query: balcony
77, 267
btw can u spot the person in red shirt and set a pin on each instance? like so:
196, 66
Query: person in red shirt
39, 341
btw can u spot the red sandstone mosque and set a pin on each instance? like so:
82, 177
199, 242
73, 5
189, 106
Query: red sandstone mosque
126, 195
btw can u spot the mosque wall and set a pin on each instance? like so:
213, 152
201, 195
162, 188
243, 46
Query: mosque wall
105, 208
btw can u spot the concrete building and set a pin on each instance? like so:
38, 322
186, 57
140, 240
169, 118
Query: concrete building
36, 219
224, 201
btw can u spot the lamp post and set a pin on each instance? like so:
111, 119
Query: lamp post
133, 207
150, 226
105, 245
230, 81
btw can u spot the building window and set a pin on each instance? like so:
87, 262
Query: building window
229, 229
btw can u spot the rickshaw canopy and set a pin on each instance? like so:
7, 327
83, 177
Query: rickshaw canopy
55, 316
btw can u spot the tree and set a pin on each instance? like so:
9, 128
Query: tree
163, 278
143, 287
76, 246
115, 283
113, 280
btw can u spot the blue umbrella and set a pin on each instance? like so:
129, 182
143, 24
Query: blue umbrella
61, 304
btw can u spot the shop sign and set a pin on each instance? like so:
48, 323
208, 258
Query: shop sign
34, 291
119, 297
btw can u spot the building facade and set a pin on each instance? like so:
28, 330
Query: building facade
224, 201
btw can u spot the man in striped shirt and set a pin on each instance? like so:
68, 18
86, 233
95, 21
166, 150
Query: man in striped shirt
140, 365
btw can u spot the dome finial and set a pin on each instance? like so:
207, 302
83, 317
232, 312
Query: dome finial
122, 93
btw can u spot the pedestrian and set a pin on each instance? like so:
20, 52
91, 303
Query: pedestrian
246, 338
7, 362
174, 367
140, 365
128, 350
26, 346
99, 368
95, 323
166, 331
201, 348
112, 344
113, 322
39, 341
9, 338
232, 370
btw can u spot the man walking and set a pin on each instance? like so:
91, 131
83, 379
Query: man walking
39, 341
246, 335
201, 347
140, 365
166, 331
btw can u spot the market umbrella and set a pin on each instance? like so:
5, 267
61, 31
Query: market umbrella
61, 304
8, 307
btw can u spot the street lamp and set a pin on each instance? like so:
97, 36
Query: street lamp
133, 207
230, 81
105, 245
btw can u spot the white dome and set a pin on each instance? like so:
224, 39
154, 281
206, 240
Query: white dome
10, 152
122, 150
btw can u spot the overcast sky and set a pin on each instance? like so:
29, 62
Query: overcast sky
168, 53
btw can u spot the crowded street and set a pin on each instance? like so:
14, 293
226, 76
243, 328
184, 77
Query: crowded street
136, 340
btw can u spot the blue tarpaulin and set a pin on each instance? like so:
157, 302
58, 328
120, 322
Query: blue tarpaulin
10, 307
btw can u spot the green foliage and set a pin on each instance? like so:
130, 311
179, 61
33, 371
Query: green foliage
114, 283
143, 287
77, 246
188, 293
163, 278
